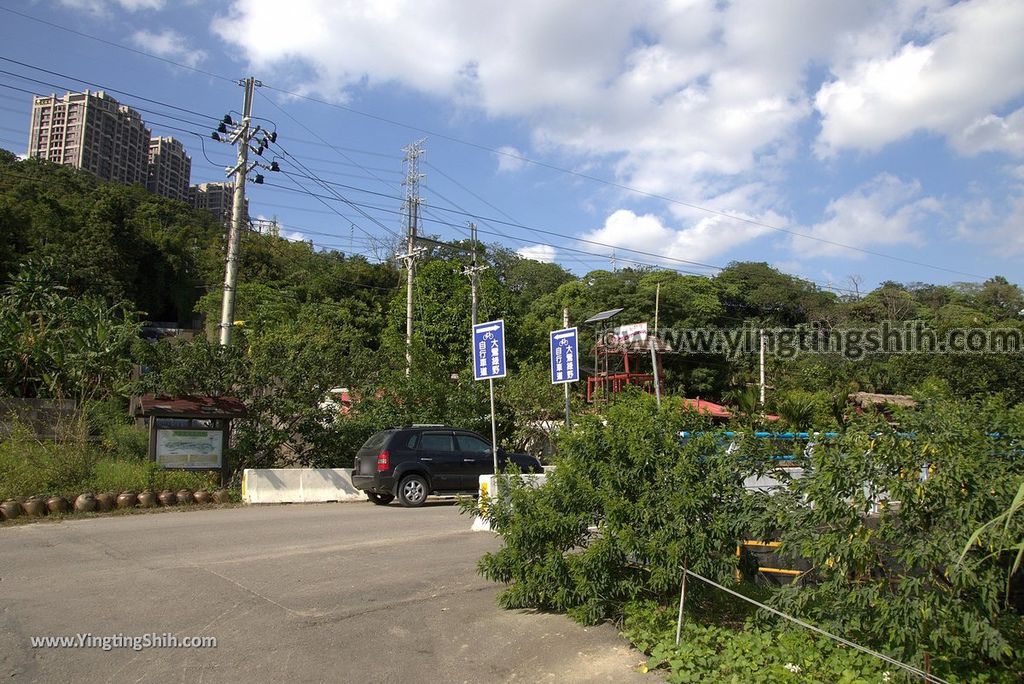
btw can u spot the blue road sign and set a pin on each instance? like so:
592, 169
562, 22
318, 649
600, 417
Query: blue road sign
565, 354
489, 350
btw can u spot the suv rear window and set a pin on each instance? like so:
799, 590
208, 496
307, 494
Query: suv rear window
376, 440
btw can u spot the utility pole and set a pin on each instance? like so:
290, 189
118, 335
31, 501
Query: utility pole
762, 368
411, 211
241, 137
657, 305
474, 273
652, 342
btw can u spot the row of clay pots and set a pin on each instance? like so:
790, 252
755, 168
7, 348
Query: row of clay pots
38, 506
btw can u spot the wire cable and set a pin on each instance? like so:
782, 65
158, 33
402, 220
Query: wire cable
806, 625
505, 153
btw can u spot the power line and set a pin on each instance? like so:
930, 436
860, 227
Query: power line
486, 148
337, 150
117, 45
491, 232
335, 195
97, 85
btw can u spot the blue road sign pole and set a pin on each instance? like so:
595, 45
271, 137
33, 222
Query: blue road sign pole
494, 430
489, 363
565, 324
565, 366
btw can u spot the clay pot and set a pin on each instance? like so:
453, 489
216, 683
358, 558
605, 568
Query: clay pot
167, 498
58, 504
185, 497
203, 497
10, 509
105, 501
147, 499
34, 507
221, 496
85, 503
127, 499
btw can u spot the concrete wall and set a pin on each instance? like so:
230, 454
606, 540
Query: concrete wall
298, 485
44, 417
489, 484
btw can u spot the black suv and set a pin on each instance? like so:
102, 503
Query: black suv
412, 462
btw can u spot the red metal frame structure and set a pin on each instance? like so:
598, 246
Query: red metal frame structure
622, 361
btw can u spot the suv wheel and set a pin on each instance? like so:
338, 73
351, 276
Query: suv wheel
412, 491
380, 499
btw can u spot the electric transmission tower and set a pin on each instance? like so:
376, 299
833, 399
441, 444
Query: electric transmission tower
411, 213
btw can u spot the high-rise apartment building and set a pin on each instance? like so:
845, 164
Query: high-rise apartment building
93, 132
216, 198
170, 169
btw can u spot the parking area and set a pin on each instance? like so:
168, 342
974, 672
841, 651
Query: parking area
326, 592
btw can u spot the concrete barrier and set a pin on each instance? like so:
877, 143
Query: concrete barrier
488, 489
298, 485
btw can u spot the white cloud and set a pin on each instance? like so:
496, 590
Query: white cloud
681, 94
543, 253
996, 227
700, 100
883, 211
509, 159
170, 44
702, 241
993, 133
948, 84
294, 235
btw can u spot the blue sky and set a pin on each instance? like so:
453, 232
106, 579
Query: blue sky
879, 140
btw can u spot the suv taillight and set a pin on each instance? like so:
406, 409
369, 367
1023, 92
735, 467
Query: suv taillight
383, 461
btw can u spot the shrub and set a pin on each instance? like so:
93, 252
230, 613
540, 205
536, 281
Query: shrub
28, 466
186, 479
118, 475
708, 653
125, 442
656, 504
891, 578
629, 504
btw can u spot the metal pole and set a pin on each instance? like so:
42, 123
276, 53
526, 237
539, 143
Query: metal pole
473, 277
565, 324
657, 303
762, 367
410, 264
682, 604
227, 311
494, 429
654, 363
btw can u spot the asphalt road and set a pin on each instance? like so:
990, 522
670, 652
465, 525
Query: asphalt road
328, 592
